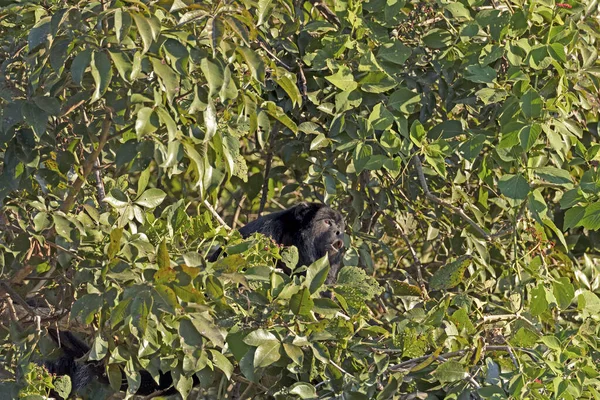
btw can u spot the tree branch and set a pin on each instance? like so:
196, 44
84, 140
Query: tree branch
216, 215
413, 254
88, 165
326, 12
265, 186
437, 200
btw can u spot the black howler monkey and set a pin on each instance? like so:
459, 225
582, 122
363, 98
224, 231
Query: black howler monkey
315, 229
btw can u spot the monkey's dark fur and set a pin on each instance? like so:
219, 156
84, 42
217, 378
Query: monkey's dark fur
315, 229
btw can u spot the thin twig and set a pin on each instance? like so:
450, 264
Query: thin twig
15, 297
216, 215
413, 254
120, 132
326, 12
88, 165
100, 192
265, 186
303, 85
278, 204
11, 308
238, 209
437, 200
269, 52
458, 353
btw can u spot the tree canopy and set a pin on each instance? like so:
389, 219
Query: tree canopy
458, 138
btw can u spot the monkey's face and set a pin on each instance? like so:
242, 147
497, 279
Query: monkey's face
328, 232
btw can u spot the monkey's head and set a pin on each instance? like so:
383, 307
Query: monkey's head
323, 231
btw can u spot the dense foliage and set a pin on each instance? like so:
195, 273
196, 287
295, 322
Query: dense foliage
459, 139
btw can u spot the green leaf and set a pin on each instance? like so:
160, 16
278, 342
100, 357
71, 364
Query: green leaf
320, 141
557, 51
147, 122
39, 33
168, 78
417, 133
207, 329
301, 303
303, 390
564, 292
437, 38
58, 53
480, 74
123, 23
122, 63
531, 104
471, 148
394, 52
450, 371
254, 62
144, 29
277, 112
263, 9
362, 155
222, 363
162, 255
514, 187
62, 386
266, 354
210, 120
458, 10
102, 73
573, 217
528, 136
177, 54
449, 275
589, 303
213, 73
404, 100
151, 198
555, 175
290, 88
343, 79
115, 243
258, 337
63, 226
50, 105
539, 303
317, 273
86, 307
591, 218
36, 118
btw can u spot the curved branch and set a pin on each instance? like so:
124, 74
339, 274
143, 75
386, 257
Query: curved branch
437, 200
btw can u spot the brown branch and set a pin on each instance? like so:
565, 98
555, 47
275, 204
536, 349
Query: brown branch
326, 12
303, 85
100, 192
5, 287
88, 165
458, 353
269, 52
216, 215
121, 132
238, 209
265, 186
437, 200
413, 254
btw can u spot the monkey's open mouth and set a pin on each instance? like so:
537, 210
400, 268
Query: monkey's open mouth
337, 245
